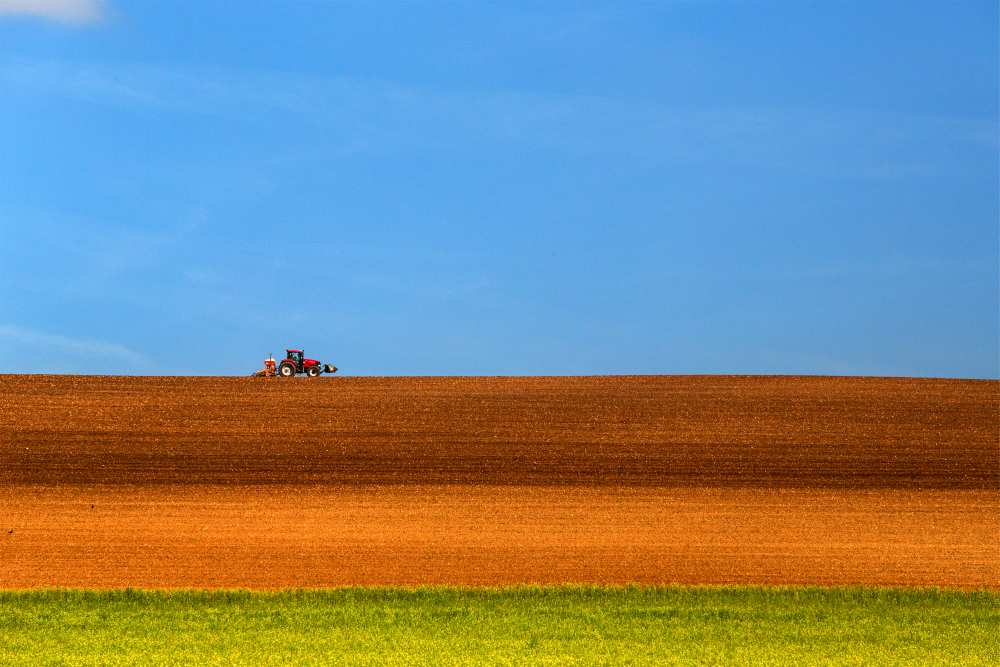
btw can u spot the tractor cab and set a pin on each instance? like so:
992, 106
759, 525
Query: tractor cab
295, 356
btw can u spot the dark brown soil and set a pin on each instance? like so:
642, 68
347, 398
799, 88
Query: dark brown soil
753, 432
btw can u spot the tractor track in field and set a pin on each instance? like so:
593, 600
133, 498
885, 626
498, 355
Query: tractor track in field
168, 481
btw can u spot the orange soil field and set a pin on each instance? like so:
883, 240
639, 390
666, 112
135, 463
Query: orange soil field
266, 483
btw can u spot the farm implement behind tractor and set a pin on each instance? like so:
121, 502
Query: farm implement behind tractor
293, 364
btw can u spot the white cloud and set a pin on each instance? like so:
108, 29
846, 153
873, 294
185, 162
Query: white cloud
45, 343
79, 12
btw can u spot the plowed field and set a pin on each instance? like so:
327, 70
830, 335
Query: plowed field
164, 482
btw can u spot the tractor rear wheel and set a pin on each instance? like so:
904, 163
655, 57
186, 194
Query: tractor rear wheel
286, 369
313, 371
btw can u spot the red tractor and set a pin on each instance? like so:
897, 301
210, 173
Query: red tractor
295, 363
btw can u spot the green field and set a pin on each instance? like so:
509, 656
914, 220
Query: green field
556, 625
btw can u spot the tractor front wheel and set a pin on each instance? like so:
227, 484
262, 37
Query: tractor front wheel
313, 371
286, 369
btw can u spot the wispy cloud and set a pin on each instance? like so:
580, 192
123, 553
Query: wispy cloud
44, 344
380, 117
76, 12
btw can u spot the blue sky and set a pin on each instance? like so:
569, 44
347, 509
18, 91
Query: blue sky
504, 188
